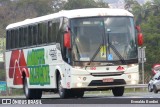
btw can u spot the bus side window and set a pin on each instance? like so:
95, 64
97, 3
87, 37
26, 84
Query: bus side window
44, 32
55, 31
30, 40
49, 32
12, 39
25, 30
8, 46
16, 38
40, 33
20, 38
35, 34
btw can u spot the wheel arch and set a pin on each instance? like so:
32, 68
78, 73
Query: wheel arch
58, 72
25, 74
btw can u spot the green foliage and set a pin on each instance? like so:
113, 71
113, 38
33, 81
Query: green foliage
148, 17
78, 4
2, 75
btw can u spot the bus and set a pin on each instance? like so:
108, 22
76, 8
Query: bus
71, 51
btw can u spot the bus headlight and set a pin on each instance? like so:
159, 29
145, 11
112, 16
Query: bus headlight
133, 82
79, 84
81, 78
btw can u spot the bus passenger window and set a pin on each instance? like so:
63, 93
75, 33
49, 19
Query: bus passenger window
40, 34
54, 32
44, 39
16, 38
12, 39
8, 46
25, 30
45, 33
20, 37
30, 36
49, 32
35, 34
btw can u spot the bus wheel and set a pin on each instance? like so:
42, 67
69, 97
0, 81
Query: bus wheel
118, 91
31, 93
149, 88
155, 89
63, 93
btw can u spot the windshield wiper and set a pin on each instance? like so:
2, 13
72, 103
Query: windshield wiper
95, 54
117, 53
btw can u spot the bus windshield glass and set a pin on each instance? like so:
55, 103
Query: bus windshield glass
103, 39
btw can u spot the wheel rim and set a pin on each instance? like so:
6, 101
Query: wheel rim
26, 88
60, 88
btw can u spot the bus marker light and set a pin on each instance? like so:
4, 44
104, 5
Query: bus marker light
120, 68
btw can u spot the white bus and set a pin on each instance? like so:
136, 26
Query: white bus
73, 51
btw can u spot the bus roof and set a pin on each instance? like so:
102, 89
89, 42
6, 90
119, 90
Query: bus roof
88, 12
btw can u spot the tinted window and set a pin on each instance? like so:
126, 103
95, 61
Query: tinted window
49, 32
40, 27
16, 38
35, 34
25, 36
21, 37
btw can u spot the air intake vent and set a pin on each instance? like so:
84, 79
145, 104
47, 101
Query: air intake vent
107, 74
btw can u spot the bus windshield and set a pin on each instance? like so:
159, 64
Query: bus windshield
104, 38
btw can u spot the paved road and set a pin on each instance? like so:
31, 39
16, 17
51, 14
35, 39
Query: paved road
97, 100
101, 98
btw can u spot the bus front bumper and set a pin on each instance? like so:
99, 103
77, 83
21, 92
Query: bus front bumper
89, 81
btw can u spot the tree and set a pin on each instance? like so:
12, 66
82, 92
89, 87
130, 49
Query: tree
79, 4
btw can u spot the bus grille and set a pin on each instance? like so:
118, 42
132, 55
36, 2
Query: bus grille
107, 74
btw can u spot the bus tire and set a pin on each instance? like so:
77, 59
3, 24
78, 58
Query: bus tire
150, 88
63, 93
118, 91
31, 93
155, 89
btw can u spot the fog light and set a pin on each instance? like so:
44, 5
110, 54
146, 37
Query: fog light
133, 82
79, 84
129, 76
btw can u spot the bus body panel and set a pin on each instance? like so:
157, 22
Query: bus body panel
85, 77
41, 64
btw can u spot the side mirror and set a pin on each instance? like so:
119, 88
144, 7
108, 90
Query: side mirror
67, 39
140, 36
140, 39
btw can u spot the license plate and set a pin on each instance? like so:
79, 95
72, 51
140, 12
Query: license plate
108, 80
